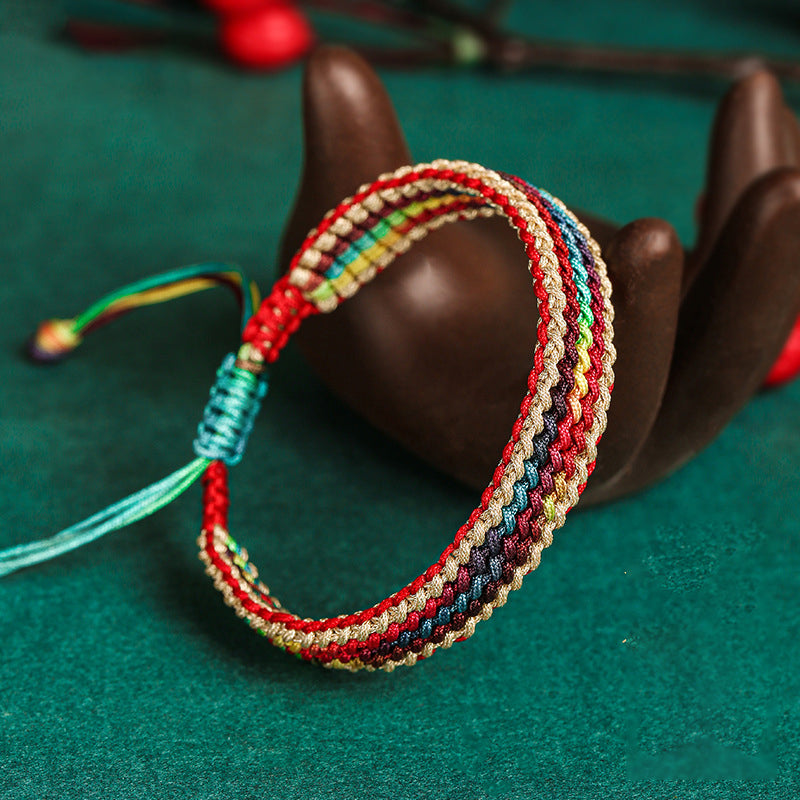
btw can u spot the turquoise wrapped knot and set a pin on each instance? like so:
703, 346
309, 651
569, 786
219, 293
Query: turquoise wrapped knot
230, 413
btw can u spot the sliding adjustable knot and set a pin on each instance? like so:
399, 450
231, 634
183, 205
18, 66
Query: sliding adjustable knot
230, 413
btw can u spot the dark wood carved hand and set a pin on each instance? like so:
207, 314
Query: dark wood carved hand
437, 350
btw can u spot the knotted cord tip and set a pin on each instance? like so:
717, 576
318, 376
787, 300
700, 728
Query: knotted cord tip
53, 340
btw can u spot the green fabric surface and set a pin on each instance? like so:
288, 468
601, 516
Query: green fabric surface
654, 653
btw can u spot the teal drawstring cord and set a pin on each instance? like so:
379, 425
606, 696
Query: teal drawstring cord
125, 512
222, 435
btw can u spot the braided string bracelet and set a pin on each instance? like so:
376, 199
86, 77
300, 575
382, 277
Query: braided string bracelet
542, 470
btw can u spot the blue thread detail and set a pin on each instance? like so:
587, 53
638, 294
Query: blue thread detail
531, 474
354, 250
443, 616
520, 495
133, 508
573, 239
334, 270
230, 414
364, 242
477, 586
510, 513
342, 261
496, 567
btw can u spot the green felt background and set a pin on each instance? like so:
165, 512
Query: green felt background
654, 654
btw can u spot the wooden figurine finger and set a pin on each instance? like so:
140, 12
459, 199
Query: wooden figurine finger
733, 324
748, 140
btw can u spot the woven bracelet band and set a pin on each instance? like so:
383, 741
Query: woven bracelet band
543, 468
552, 447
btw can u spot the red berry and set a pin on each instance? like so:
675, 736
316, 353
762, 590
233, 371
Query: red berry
228, 7
268, 38
788, 364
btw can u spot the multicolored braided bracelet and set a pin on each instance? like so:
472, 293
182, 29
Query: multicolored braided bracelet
543, 468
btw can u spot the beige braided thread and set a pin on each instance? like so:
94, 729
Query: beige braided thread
566, 494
